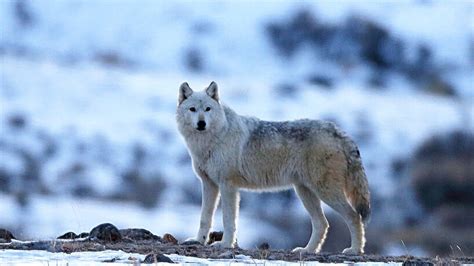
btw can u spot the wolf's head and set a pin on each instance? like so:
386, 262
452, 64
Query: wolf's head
199, 112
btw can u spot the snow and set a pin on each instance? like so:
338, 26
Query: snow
70, 96
36, 257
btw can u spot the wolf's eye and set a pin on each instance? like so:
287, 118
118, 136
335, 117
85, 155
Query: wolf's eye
208, 109
192, 109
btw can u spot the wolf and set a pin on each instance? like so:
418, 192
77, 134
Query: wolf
231, 152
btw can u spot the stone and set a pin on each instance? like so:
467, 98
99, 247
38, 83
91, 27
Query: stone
68, 235
105, 232
169, 238
138, 234
5, 235
156, 258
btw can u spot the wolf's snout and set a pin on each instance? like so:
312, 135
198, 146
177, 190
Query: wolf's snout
201, 125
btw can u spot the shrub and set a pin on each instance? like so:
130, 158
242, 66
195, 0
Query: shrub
443, 171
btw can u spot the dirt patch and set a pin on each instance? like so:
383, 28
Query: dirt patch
151, 246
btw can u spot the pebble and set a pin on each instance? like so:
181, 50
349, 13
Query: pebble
169, 238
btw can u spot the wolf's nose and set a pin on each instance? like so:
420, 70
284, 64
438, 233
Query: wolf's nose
201, 125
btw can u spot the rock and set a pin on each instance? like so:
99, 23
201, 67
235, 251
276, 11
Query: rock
156, 258
169, 238
6, 236
68, 235
105, 232
82, 235
138, 234
215, 236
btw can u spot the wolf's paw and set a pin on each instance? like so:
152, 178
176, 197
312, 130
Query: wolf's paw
352, 251
302, 250
222, 244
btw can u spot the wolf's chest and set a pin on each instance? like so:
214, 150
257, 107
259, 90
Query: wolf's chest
213, 164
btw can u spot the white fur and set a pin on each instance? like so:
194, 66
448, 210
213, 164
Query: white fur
236, 152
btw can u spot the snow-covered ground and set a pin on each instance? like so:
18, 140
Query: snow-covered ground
20, 257
92, 115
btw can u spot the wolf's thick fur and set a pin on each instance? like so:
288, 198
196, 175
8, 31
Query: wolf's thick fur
231, 152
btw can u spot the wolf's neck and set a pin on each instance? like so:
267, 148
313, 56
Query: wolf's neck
201, 144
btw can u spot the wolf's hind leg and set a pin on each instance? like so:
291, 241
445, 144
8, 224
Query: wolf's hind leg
356, 227
318, 221
353, 221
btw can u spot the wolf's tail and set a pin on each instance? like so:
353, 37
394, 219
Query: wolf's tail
357, 187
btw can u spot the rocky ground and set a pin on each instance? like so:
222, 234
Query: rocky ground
108, 237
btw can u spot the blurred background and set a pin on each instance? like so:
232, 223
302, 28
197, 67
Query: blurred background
88, 93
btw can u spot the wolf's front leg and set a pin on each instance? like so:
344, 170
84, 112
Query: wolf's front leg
230, 209
210, 194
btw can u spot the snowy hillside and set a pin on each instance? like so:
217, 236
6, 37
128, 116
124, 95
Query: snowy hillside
88, 94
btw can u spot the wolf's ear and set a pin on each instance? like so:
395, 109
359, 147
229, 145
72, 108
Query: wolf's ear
184, 92
213, 91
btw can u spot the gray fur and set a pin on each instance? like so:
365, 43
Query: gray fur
237, 152
297, 130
